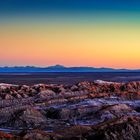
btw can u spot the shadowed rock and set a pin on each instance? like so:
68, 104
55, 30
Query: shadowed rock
84, 111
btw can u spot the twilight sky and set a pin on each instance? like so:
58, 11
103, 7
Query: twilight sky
98, 33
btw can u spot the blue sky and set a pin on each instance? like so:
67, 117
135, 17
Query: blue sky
22, 6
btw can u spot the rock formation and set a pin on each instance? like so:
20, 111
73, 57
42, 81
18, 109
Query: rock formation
84, 111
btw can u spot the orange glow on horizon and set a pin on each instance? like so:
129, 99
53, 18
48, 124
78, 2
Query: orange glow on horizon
92, 45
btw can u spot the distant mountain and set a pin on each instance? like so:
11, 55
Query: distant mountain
60, 68
56, 67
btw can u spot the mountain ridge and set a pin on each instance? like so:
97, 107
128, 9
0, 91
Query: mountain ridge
61, 68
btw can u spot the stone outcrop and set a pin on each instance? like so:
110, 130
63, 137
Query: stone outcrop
84, 111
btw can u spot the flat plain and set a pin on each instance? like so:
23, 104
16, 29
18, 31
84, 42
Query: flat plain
66, 78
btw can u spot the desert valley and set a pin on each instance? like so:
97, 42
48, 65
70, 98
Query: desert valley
84, 111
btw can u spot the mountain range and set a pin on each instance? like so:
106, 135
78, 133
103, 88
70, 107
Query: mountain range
60, 68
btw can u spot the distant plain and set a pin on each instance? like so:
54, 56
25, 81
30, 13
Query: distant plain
66, 78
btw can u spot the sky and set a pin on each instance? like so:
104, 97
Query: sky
97, 33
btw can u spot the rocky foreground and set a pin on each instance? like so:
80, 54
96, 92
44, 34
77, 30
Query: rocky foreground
86, 111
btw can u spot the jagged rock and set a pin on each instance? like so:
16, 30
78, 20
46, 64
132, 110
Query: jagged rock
113, 111
73, 133
84, 111
126, 128
74, 88
25, 118
8, 97
25, 95
46, 93
36, 135
18, 96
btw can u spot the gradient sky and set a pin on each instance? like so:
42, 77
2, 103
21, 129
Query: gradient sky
98, 33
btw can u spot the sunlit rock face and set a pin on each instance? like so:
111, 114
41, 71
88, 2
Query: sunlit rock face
88, 110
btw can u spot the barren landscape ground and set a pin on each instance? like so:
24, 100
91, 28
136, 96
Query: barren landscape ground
64, 107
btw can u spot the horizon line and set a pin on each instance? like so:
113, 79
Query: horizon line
82, 66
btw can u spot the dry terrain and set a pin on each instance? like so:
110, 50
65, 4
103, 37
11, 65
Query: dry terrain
84, 111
